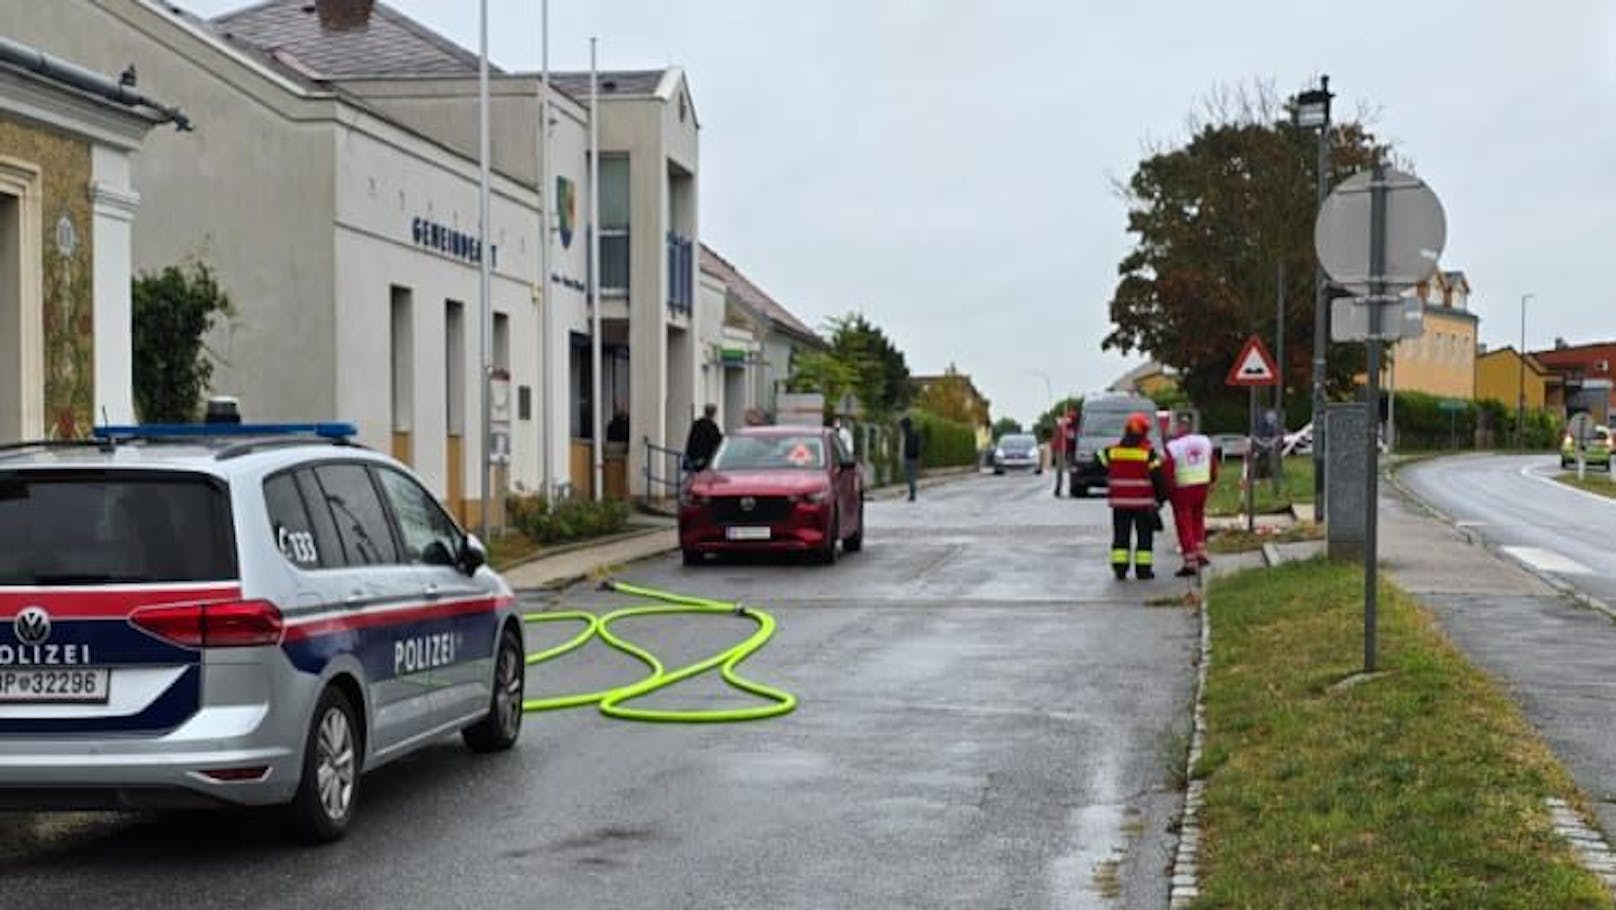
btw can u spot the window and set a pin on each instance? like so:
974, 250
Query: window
321, 522
289, 523
421, 523
454, 366
403, 356
502, 341
362, 526
770, 452
107, 526
614, 224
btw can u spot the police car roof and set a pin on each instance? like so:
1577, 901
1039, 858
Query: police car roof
186, 446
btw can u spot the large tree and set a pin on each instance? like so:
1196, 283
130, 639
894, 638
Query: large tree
861, 360
950, 397
1214, 220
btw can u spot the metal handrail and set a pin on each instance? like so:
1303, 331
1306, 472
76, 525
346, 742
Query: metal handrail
671, 479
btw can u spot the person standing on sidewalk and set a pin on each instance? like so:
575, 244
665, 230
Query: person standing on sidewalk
702, 443
911, 455
1136, 489
1191, 470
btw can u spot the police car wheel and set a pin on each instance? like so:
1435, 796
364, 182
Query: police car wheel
332, 755
499, 730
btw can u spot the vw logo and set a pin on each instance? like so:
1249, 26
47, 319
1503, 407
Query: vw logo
32, 626
748, 503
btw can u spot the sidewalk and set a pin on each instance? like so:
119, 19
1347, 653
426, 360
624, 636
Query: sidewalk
576, 563
1557, 659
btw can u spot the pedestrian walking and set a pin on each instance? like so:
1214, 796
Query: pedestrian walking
1062, 446
911, 455
702, 443
1191, 470
1136, 491
844, 433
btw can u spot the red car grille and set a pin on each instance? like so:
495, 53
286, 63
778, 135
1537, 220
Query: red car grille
750, 509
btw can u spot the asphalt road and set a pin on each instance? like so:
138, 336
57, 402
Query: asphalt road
1512, 504
987, 720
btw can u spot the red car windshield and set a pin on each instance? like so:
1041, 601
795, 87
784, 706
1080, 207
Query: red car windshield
741, 453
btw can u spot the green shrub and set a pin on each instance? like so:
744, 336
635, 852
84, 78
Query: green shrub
943, 443
570, 519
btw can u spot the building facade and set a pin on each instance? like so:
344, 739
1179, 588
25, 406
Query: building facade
336, 194
1442, 360
68, 138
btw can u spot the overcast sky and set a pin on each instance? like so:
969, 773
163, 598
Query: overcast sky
945, 165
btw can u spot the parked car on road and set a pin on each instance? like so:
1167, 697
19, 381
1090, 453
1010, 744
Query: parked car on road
1596, 455
203, 616
1017, 451
1230, 445
775, 489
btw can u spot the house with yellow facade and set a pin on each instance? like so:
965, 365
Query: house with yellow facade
1503, 374
1442, 360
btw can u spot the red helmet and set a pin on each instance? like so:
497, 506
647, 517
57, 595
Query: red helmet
1137, 425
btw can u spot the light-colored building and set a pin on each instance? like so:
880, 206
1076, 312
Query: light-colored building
1442, 360
68, 137
335, 192
762, 339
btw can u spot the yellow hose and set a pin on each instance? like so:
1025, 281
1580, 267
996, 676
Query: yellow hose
612, 701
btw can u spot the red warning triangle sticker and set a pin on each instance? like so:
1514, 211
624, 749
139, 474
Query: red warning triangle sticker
1253, 367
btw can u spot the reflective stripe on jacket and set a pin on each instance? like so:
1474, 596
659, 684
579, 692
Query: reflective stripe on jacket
1128, 470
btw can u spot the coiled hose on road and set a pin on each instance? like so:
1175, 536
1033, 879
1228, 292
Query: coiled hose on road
612, 702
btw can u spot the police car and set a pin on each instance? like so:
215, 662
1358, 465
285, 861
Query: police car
216, 615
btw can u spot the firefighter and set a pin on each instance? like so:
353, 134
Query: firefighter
1191, 470
1137, 488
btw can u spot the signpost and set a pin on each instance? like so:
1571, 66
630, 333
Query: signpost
1581, 429
1453, 406
1253, 369
1381, 231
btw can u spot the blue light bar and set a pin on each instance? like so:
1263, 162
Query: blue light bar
214, 430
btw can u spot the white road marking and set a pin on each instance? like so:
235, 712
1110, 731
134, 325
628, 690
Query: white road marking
1548, 560
1532, 471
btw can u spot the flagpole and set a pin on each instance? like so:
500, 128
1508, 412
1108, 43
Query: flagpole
594, 274
484, 250
546, 217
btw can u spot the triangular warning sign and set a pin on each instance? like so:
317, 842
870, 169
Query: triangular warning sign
1253, 366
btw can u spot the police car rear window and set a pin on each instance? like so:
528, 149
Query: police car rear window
88, 527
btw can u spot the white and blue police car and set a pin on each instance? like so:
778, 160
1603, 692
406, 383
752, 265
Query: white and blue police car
236, 614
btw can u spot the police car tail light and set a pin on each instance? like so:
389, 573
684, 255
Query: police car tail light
236, 624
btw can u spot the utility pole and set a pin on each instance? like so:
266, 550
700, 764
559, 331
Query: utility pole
484, 252
1321, 329
1520, 400
546, 214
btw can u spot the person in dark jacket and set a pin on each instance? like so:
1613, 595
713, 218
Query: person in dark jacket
911, 455
1136, 489
703, 441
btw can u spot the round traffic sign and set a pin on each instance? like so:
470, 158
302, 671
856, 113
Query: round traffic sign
1416, 230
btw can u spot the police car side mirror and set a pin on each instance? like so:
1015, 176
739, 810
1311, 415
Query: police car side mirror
473, 555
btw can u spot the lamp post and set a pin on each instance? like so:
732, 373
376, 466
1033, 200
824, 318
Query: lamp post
1313, 110
1520, 400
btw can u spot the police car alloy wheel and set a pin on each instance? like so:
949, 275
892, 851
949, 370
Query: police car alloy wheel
500, 729
326, 795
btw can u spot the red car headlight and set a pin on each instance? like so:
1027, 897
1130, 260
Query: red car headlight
817, 497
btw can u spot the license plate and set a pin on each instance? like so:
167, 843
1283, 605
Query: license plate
55, 686
747, 533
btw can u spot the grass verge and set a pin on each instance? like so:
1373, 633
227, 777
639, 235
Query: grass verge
1239, 540
1296, 485
1593, 483
1420, 788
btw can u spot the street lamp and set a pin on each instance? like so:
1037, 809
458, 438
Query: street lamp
1520, 401
1312, 110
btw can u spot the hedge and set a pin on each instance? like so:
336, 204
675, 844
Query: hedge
571, 519
943, 443
1422, 424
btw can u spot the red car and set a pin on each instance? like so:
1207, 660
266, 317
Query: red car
780, 489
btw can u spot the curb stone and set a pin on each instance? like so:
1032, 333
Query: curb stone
578, 545
1184, 874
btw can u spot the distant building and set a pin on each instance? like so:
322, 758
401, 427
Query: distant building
1150, 379
754, 380
953, 395
1501, 374
1442, 360
1585, 369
